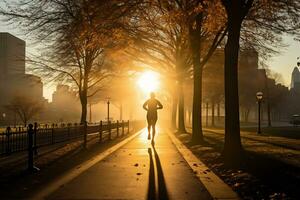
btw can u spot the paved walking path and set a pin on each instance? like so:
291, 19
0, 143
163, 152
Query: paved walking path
137, 170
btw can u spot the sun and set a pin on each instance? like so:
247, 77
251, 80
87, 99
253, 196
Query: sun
148, 81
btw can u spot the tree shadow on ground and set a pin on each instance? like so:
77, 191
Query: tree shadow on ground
258, 176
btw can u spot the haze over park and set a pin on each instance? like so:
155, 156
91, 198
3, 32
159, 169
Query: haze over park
149, 99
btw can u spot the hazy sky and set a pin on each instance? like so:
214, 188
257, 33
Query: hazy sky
283, 63
286, 61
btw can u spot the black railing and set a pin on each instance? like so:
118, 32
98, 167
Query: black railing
16, 139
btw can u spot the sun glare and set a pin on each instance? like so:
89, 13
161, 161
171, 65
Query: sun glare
148, 81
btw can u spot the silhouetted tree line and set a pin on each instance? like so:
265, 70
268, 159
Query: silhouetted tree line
278, 100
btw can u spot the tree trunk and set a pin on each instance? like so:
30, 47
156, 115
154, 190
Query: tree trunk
262, 112
174, 111
213, 114
130, 112
232, 145
247, 115
181, 124
121, 111
269, 114
194, 33
268, 100
197, 136
243, 114
206, 114
90, 113
83, 101
190, 116
218, 112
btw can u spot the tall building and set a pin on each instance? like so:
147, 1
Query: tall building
14, 82
295, 82
12, 55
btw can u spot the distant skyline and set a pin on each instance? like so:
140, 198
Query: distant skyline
283, 63
286, 61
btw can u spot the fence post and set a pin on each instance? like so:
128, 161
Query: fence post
100, 131
128, 130
8, 132
30, 147
123, 127
117, 128
84, 134
35, 132
109, 130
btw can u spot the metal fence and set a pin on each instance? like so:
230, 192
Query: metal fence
17, 139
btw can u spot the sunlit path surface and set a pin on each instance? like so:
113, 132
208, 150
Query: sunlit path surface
137, 171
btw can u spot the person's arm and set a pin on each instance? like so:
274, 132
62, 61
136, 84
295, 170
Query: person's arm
145, 105
160, 106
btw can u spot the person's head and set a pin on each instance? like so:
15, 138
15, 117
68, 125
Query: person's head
152, 95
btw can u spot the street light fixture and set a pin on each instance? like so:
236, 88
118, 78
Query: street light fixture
259, 97
108, 102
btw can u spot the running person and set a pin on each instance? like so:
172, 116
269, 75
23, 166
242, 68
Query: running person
151, 106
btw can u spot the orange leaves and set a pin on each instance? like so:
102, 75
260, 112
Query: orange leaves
215, 16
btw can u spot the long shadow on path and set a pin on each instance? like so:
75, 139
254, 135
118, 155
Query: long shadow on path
162, 192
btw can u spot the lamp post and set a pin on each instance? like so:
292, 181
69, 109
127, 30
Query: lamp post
4, 116
206, 107
259, 97
108, 102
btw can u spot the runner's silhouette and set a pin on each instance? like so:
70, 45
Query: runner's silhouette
151, 106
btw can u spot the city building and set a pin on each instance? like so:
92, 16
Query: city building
295, 80
65, 105
14, 82
12, 55
278, 100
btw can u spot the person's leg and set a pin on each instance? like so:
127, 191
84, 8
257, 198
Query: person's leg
149, 127
153, 129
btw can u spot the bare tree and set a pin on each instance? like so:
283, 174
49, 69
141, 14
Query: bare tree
78, 37
24, 107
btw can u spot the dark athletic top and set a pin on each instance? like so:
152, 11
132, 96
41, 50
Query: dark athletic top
152, 105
